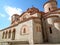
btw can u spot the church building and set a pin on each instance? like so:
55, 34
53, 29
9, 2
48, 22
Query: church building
34, 26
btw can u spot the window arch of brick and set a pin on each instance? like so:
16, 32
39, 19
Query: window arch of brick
24, 30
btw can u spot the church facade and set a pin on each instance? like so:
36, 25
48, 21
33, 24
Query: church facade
33, 26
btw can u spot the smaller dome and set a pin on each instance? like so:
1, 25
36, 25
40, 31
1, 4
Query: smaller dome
50, 5
14, 17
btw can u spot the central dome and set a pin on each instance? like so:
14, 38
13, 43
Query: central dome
32, 10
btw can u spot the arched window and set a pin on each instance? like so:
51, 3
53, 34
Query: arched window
38, 28
3, 35
50, 30
13, 34
9, 34
6, 34
49, 9
24, 30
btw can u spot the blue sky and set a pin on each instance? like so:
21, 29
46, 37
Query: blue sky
9, 7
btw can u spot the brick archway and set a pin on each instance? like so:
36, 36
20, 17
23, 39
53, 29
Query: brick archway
24, 30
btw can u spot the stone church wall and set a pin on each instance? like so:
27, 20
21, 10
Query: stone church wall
19, 35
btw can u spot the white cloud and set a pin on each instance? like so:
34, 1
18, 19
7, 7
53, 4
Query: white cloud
12, 10
2, 15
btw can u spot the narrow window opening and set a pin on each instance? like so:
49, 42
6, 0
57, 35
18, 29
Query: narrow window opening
49, 9
3, 35
6, 35
24, 31
38, 29
9, 33
50, 30
13, 34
